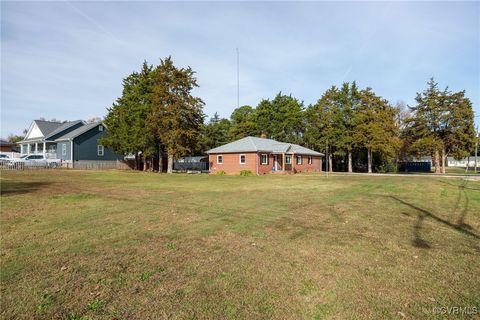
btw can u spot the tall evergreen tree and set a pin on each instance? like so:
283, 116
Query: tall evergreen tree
215, 133
177, 115
347, 100
127, 131
441, 124
281, 118
375, 127
323, 124
242, 123
425, 124
458, 132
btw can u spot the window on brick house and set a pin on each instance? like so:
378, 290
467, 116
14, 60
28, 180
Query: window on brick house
264, 159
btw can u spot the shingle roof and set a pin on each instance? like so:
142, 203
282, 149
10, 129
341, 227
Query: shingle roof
46, 127
254, 144
5, 143
75, 133
64, 126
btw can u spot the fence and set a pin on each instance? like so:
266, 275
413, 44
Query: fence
28, 166
100, 165
190, 166
81, 165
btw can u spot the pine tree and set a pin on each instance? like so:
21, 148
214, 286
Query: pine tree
347, 99
375, 127
127, 131
281, 118
215, 133
458, 132
441, 124
242, 123
177, 115
325, 125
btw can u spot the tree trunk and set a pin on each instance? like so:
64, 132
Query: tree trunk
160, 159
330, 162
350, 161
136, 160
145, 164
369, 156
170, 164
444, 157
437, 161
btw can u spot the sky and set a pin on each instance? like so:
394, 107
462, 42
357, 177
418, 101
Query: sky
66, 60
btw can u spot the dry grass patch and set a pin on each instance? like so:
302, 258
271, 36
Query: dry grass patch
129, 245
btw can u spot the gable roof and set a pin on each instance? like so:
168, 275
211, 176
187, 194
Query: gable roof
63, 127
254, 144
77, 132
46, 127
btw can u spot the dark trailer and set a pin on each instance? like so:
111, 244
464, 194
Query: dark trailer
195, 163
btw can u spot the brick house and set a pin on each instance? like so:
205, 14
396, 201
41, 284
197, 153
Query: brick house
262, 156
6, 146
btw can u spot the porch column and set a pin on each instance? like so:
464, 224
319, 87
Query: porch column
294, 160
283, 162
36, 147
44, 148
28, 148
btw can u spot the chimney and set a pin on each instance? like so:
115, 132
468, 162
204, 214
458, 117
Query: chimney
263, 136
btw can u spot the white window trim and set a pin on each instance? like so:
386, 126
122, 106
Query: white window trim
287, 156
266, 158
297, 158
240, 159
218, 157
100, 128
64, 149
102, 148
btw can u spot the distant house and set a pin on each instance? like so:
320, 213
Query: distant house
452, 162
75, 142
261, 156
470, 162
6, 146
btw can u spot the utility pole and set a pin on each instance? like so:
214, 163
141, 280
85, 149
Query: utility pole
326, 160
477, 137
238, 79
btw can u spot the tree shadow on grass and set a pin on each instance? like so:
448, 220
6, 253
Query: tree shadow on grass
422, 214
11, 187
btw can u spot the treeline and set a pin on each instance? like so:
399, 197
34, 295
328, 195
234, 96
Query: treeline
157, 115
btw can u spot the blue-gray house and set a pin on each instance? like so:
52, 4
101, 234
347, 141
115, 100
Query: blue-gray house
76, 143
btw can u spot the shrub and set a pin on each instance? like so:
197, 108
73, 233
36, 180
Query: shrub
246, 173
221, 173
387, 166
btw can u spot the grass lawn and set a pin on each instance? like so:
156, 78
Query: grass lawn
132, 245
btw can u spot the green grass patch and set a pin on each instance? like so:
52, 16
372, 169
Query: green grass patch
227, 247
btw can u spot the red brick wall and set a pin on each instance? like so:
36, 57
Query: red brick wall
6, 148
231, 163
305, 167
